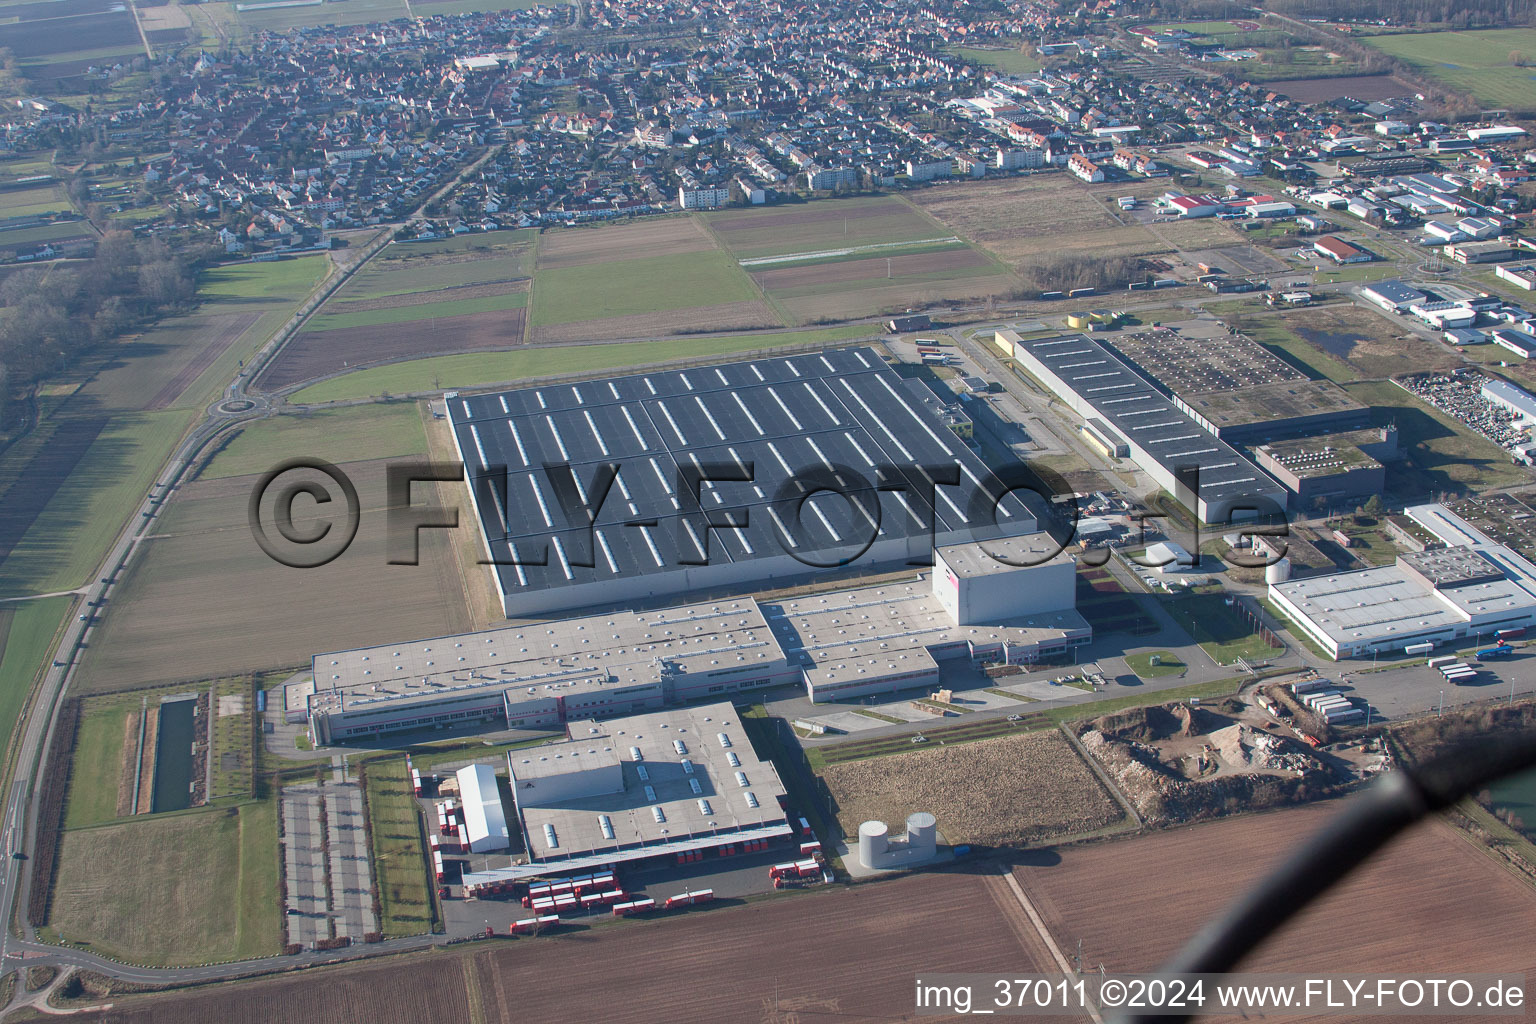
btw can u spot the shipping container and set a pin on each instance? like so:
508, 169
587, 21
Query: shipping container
1442, 660
1423, 648
1310, 686
806, 849
805, 827
1510, 634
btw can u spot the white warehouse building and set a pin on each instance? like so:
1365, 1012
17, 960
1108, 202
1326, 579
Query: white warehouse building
485, 821
1471, 588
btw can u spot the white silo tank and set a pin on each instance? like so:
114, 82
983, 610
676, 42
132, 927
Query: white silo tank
922, 833
873, 843
1278, 571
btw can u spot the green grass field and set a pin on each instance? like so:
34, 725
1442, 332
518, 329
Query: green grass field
398, 857
420, 311
1220, 631
474, 368
1010, 62
1271, 332
1475, 62
77, 527
97, 766
173, 890
351, 434
626, 287
1168, 664
27, 238
28, 202
269, 279
23, 652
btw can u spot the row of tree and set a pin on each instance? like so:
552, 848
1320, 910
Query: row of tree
54, 313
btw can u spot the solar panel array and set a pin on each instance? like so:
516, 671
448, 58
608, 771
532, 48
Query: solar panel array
839, 417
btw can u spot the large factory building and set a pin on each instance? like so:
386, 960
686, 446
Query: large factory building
1472, 587
615, 491
1009, 600
641, 787
1124, 409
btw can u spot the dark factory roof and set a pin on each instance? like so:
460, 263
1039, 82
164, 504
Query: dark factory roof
799, 423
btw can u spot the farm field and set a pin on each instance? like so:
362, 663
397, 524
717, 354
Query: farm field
470, 369
26, 631
72, 480
1428, 882
180, 362
165, 890
845, 288
825, 225
203, 600
1026, 219
70, 498
606, 243
454, 303
315, 354
1009, 62
417, 988
408, 268
355, 12
1362, 87
357, 434
884, 935
625, 288
1474, 62
1012, 791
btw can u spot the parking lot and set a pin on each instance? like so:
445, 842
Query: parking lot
731, 878
326, 864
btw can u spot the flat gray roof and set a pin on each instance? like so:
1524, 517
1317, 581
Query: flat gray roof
578, 828
874, 631
590, 652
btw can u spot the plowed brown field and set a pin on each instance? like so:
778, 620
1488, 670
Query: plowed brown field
850, 955
319, 353
1431, 902
574, 247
